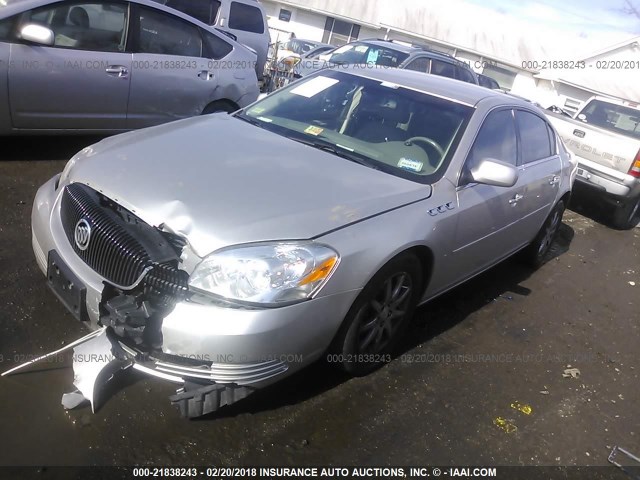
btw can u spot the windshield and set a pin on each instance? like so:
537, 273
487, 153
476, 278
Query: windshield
361, 53
615, 118
385, 126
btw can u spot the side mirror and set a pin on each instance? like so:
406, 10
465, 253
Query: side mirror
37, 34
582, 117
494, 172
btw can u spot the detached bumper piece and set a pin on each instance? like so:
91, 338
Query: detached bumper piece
195, 400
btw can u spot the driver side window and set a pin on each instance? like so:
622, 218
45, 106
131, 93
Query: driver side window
84, 26
496, 140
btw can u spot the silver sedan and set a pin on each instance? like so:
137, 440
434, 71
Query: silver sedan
107, 66
225, 252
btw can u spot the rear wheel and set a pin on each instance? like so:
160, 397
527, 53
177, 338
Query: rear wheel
627, 215
379, 316
536, 253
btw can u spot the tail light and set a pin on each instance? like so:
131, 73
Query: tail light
635, 166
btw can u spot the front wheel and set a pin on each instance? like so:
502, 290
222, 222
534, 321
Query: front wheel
627, 215
536, 253
379, 316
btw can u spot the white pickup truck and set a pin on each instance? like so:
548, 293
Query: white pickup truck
604, 137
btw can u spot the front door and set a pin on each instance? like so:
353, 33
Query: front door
488, 216
82, 81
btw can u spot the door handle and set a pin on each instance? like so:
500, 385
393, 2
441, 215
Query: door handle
554, 180
118, 70
205, 75
516, 199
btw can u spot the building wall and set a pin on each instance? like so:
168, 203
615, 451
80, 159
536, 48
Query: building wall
309, 23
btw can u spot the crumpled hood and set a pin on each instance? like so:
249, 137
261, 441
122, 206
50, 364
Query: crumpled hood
220, 181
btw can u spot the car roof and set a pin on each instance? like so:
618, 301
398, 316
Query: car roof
455, 90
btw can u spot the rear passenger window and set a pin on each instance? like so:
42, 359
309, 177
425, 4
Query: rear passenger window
84, 26
168, 35
419, 65
496, 140
215, 47
245, 17
443, 69
534, 137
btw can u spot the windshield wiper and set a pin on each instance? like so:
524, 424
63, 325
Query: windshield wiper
253, 121
337, 150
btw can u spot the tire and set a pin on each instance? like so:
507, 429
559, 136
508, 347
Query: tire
378, 317
535, 255
219, 106
627, 215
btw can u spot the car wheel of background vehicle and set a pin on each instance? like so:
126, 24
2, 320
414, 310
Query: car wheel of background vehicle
378, 317
627, 216
220, 106
536, 253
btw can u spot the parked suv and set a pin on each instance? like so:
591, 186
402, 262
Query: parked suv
245, 20
390, 53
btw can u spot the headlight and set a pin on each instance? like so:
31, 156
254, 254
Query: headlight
266, 274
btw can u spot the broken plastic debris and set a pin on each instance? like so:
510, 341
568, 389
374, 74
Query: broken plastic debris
633, 284
72, 400
94, 364
571, 373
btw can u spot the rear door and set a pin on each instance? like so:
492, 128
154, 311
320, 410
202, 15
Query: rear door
540, 169
175, 72
82, 81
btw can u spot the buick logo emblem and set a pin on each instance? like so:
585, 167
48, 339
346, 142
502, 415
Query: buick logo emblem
82, 234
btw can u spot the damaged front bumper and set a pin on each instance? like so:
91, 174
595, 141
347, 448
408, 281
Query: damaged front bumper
214, 354
102, 357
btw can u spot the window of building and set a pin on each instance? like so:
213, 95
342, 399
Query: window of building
285, 15
338, 32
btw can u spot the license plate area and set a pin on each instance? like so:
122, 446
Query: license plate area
67, 286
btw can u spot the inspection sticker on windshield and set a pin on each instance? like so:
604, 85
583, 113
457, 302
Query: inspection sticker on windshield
314, 86
409, 164
313, 130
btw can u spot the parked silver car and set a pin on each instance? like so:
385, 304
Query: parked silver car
226, 252
110, 65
